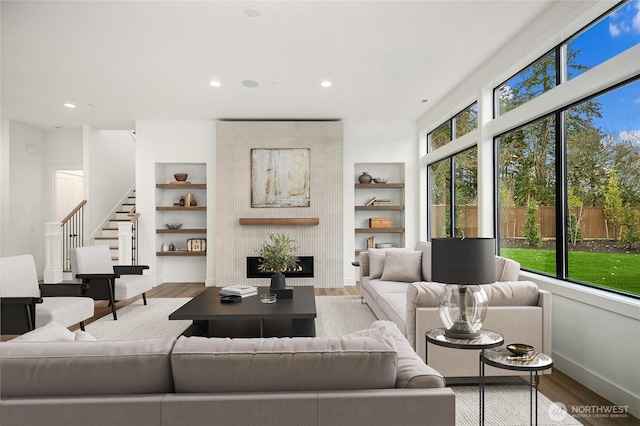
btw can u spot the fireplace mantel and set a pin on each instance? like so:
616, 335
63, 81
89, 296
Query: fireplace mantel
279, 221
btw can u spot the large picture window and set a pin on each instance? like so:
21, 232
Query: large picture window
459, 192
600, 240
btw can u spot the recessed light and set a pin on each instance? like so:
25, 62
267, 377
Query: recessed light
250, 83
326, 83
215, 83
251, 11
69, 105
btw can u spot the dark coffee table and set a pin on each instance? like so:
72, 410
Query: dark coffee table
293, 317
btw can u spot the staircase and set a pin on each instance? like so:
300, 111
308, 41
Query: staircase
109, 233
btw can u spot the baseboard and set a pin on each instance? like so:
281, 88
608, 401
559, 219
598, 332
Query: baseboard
598, 384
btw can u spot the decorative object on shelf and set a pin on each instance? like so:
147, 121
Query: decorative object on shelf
172, 247
197, 244
278, 255
193, 202
173, 225
182, 201
381, 180
188, 199
365, 177
165, 247
370, 242
463, 264
181, 177
380, 222
280, 177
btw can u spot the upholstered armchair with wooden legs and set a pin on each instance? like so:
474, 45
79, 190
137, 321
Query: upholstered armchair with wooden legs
93, 265
27, 305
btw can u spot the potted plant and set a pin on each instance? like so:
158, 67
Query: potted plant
278, 256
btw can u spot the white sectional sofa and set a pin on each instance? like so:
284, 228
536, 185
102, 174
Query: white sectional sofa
396, 284
368, 378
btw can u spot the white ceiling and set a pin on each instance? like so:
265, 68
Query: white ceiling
123, 61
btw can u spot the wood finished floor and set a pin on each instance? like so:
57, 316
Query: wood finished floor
558, 387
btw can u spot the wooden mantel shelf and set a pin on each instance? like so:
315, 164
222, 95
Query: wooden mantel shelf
279, 221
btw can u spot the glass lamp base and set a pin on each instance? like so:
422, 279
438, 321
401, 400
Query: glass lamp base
463, 309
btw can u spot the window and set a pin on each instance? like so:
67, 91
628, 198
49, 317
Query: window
464, 122
461, 192
603, 40
527, 185
603, 184
528, 84
600, 237
440, 136
440, 196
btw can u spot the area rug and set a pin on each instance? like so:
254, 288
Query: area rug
137, 321
336, 316
506, 406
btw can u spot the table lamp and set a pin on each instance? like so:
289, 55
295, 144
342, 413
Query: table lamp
463, 264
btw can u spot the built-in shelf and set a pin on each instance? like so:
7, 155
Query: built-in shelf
181, 185
379, 185
181, 253
182, 231
280, 221
380, 208
181, 208
379, 230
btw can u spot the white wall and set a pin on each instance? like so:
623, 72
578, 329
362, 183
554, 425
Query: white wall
173, 142
109, 162
63, 152
383, 142
22, 191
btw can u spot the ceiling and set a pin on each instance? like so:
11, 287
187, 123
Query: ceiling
123, 61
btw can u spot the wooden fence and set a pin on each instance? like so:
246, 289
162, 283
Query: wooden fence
592, 221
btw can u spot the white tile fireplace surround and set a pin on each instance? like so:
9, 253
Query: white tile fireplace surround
323, 240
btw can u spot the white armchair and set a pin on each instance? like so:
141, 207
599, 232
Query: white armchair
27, 305
93, 265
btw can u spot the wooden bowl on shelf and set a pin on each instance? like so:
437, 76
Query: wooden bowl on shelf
181, 177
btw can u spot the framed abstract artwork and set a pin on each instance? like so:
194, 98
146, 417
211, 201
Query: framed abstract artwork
280, 177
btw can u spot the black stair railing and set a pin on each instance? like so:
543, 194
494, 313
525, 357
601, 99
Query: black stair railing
72, 236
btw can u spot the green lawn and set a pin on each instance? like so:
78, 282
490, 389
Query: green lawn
612, 270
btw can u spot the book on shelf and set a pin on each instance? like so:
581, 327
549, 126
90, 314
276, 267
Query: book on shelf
370, 202
370, 242
238, 290
382, 203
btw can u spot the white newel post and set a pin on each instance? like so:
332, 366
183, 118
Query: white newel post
125, 245
53, 272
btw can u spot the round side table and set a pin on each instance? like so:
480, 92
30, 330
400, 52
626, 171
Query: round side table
503, 358
486, 340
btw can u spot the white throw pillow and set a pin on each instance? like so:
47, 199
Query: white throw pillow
403, 266
83, 336
51, 332
376, 261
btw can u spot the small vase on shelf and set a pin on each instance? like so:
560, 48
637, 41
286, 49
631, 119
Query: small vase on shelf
365, 177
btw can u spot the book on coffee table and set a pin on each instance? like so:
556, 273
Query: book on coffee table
239, 290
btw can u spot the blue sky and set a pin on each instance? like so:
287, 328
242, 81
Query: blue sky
609, 37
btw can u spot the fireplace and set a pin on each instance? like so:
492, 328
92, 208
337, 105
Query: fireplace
304, 269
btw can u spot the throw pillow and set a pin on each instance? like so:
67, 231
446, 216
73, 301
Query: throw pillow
51, 332
83, 336
376, 261
402, 266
